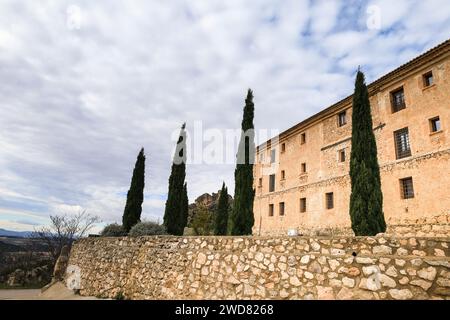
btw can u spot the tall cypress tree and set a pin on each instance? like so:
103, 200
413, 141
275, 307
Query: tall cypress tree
175, 205
242, 219
221, 217
135, 195
184, 208
366, 200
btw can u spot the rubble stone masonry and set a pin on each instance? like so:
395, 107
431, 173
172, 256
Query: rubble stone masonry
165, 267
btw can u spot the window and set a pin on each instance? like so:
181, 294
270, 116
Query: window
428, 79
342, 119
270, 210
402, 146
303, 138
398, 100
272, 183
329, 200
407, 188
260, 182
283, 174
342, 155
435, 124
272, 156
281, 208
283, 147
303, 168
303, 205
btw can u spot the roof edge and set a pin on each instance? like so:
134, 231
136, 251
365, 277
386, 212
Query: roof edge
434, 52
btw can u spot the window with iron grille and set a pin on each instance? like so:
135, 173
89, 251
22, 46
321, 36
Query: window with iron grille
281, 208
435, 124
303, 138
398, 100
407, 188
303, 205
428, 79
402, 146
270, 210
303, 167
342, 119
272, 156
283, 174
272, 183
342, 155
329, 200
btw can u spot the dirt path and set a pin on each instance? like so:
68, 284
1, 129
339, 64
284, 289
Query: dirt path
19, 294
56, 292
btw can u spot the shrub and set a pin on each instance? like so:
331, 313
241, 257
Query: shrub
113, 230
202, 223
119, 296
147, 229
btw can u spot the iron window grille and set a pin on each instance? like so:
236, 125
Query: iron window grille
329, 200
398, 100
402, 145
407, 188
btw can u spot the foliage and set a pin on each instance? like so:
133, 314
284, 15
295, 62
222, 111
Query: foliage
147, 229
175, 215
366, 200
242, 219
119, 296
113, 230
135, 195
221, 216
184, 207
202, 222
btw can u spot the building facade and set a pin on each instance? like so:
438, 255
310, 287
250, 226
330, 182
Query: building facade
302, 181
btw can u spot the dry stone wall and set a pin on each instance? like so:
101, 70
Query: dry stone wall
165, 267
434, 226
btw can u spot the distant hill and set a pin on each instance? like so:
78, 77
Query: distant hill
9, 247
9, 233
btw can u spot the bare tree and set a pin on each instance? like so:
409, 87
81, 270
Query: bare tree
64, 229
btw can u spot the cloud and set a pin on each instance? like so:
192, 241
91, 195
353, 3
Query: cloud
83, 90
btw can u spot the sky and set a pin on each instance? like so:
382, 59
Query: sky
86, 84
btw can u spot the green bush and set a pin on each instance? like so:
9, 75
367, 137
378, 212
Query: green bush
113, 230
202, 223
119, 296
147, 229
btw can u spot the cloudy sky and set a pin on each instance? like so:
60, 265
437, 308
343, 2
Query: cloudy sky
86, 84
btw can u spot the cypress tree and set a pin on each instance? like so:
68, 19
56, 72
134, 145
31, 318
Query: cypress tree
242, 219
366, 200
175, 205
135, 195
221, 217
184, 208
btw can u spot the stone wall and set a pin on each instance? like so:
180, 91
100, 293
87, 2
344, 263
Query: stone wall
165, 267
433, 226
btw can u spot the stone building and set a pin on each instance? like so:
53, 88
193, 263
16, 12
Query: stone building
302, 182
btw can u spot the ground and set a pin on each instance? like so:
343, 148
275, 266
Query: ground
56, 292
